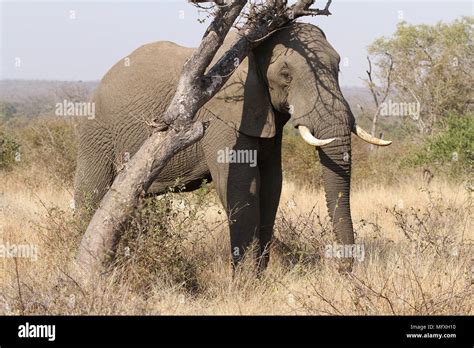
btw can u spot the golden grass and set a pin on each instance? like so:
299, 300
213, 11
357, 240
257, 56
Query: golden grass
418, 251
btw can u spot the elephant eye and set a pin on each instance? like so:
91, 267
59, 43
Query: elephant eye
285, 74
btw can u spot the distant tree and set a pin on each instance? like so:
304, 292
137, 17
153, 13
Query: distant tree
9, 150
432, 65
7, 110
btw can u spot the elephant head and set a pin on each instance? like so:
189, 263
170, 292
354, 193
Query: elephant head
294, 75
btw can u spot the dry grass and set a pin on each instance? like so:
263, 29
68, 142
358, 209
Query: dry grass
418, 251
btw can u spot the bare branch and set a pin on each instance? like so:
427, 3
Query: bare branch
388, 78
217, 2
372, 84
302, 8
376, 94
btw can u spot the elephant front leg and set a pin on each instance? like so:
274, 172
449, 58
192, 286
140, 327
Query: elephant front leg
238, 190
269, 200
232, 161
270, 190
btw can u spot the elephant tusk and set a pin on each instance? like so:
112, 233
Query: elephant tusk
366, 136
311, 140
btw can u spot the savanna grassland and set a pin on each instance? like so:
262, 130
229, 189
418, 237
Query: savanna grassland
412, 207
415, 223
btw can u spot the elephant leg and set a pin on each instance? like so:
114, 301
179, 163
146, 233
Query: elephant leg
237, 185
270, 191
95, 169
239, 194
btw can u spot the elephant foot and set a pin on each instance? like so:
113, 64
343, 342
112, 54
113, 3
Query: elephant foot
262, 264
259, 265
345, 265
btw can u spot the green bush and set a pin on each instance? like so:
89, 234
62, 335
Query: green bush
451, 148
299, 160
9, 151
7, 111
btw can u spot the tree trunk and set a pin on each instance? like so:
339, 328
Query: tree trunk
374, 126
137, 176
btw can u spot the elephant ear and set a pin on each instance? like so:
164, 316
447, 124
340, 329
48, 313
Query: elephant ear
244, 102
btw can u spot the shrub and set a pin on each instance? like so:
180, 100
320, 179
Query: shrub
50, 142
7, 111
431, 226
301, 239
9, 150
452, 148
299, 160
160, 244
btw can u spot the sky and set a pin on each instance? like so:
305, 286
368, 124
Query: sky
81, 40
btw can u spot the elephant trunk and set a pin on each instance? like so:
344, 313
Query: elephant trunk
336, 162
322, 109
336, 159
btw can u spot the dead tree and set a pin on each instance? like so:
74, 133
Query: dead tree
179, 130
376, 94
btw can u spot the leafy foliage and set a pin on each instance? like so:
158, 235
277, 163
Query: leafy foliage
7, 111
300, 161
432, 65
9, 150
453, 147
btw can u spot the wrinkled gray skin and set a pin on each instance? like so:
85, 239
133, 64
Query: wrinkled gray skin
291, 76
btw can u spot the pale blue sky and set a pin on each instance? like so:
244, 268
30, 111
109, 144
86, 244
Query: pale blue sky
51, 45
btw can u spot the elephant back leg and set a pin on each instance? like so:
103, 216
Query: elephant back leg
237, 184
95, 167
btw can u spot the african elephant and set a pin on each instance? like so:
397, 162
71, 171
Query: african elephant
291, 76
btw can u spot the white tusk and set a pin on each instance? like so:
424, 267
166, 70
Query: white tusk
310, 139
369, 138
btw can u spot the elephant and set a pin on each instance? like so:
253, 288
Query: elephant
292, 76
